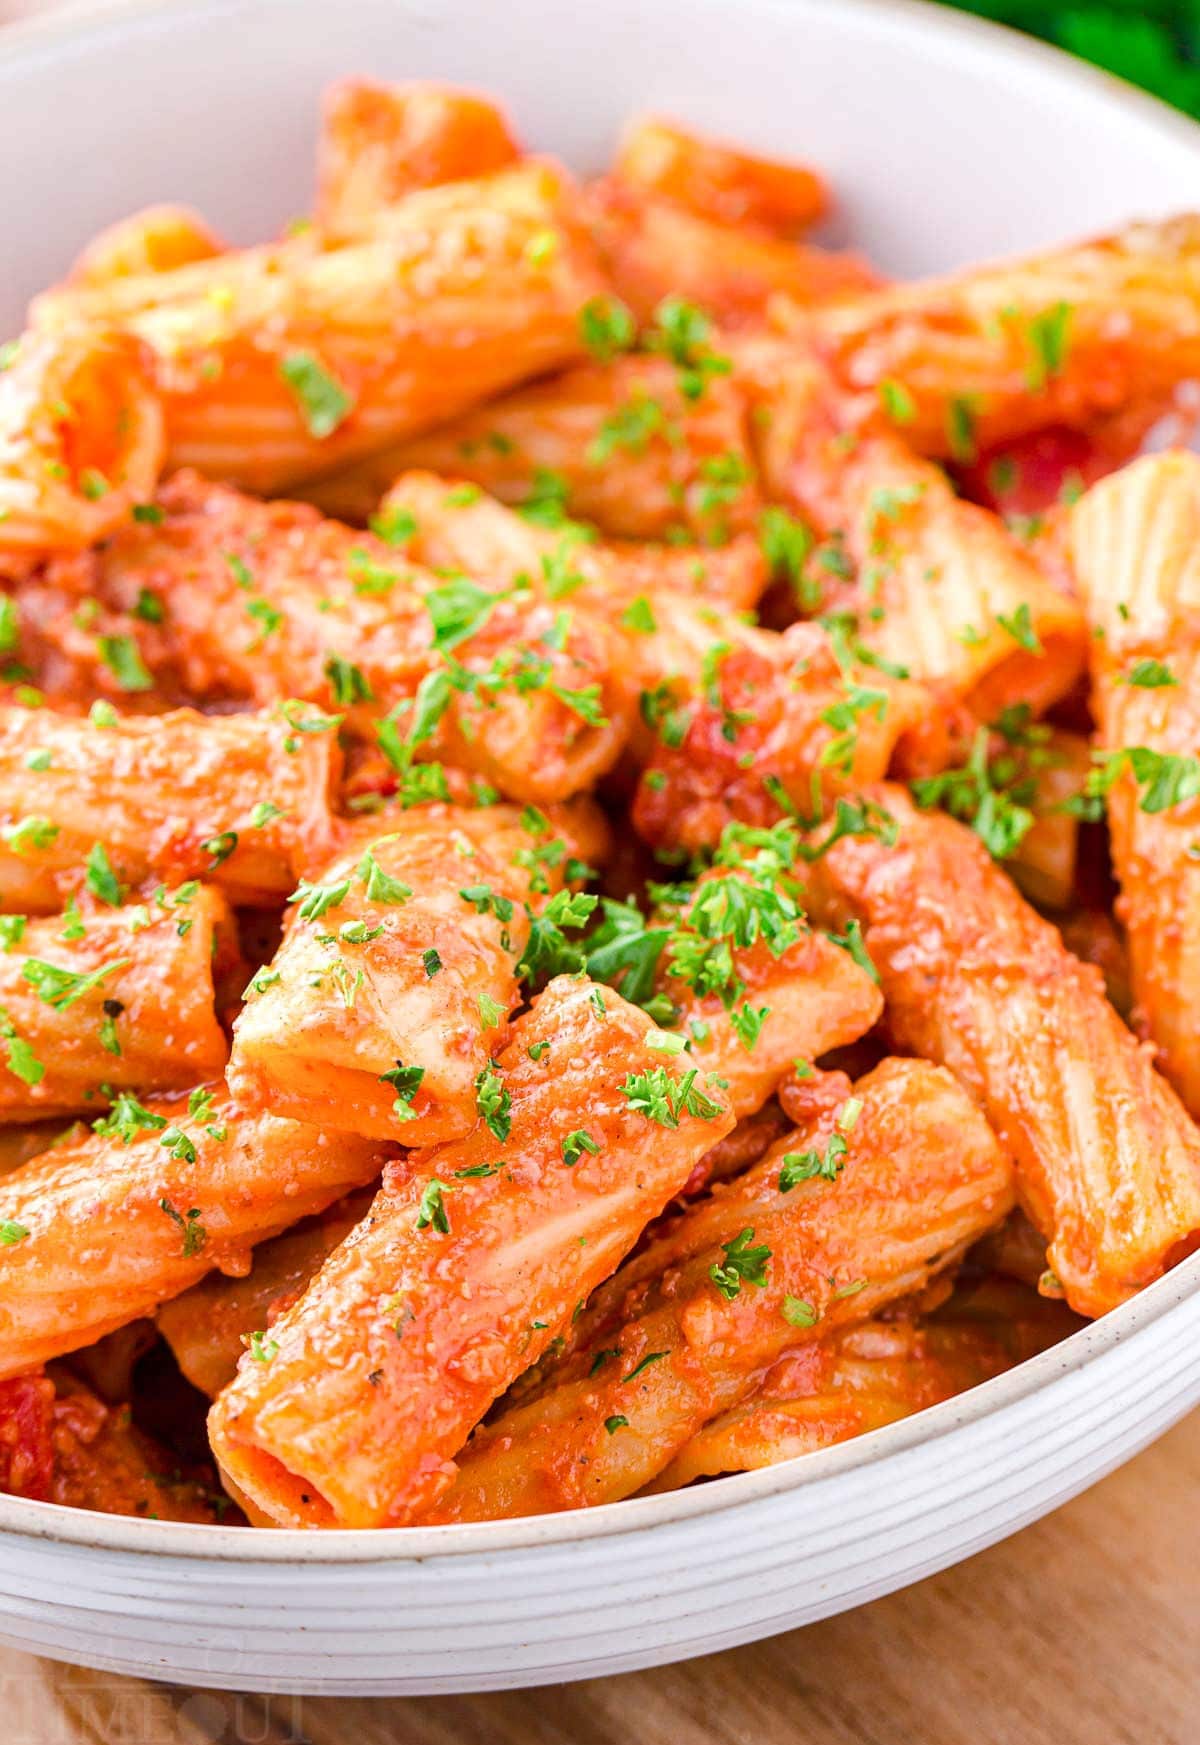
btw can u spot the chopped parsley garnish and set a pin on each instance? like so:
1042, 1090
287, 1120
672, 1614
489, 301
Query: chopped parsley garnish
786, 543
493, 1102
650, 1357
31, 833
93, 484
12, 930
1149, 675
575, 1144
126, 1119
483, 899
624, 952
665, 1041
123, 659
742, 1264
379, 886
316, 900
546, 504
662, 1098
747, 1021
896, 401
585, 703
960, 428
178, 1144
431, 962
368, 577
797, 1313
59, 987
102, 881
394, 524
1168, 778
148, 607
631, 427
264, 812
10, 634
1049, 342
20, 1059
358, 933
432, 1209
11, 1232
406, 1082
458, 610
348, 682
859, 818
304, 718
548, 951
323, 402
219, 848
803, 1166
73, 921
1019, 625
681, 332
993, 796
639, 616
852, 941
607, 328
194, 1233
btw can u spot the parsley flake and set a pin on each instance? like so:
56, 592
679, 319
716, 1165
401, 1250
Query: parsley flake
323, 402
743, 1264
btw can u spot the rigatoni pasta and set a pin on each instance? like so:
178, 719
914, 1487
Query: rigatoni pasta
380, 142
103, 1229
1133, 540
1108, 1163
655, 248
772, 1260
871, 1374
209, 1326
107, 999
449, 953
173, 797
721, 181
156, 240
81, 440
292, 374
399, 969
962, 363
259, 603
942, 592
619, 443
526, 1215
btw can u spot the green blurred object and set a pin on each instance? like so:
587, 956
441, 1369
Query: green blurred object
1154, 43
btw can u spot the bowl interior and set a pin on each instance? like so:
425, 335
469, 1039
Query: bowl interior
946, 141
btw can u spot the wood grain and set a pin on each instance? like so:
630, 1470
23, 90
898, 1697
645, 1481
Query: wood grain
1083, 1630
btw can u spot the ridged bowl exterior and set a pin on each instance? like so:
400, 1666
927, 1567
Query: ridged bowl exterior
947, 140
656, 1579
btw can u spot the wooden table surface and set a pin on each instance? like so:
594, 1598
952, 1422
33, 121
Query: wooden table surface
1083, 1630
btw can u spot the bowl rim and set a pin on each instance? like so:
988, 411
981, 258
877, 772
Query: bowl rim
74, 20
24, 1519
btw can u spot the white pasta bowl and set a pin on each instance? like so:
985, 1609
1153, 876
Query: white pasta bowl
947, 141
